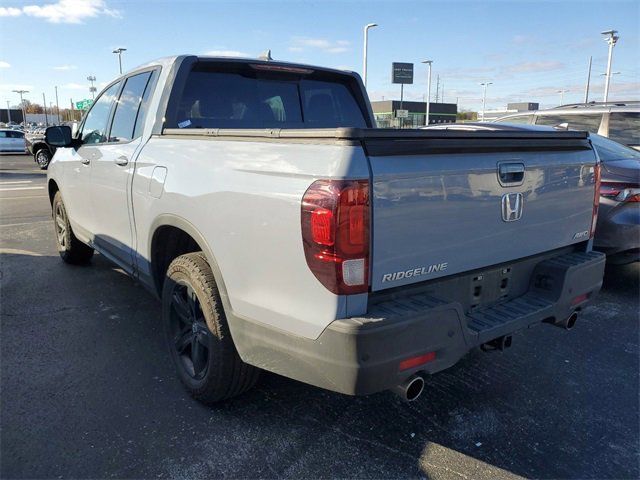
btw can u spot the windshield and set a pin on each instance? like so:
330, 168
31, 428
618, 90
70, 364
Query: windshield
608, 150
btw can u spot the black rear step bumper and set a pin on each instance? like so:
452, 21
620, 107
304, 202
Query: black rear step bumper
359, 356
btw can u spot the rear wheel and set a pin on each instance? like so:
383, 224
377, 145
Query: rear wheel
198, 335
43, 157
71, 249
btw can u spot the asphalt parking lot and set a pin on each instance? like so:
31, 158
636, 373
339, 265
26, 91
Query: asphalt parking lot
88, 390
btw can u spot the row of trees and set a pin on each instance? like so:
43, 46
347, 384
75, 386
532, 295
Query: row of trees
66, 114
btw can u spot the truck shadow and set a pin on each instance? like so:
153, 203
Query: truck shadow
85, 370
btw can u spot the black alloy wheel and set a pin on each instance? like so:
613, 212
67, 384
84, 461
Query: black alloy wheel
191, 336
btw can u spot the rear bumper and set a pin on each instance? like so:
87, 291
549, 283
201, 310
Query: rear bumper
618, 231
360, 356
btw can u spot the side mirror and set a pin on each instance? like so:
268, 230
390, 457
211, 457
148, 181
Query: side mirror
59, 136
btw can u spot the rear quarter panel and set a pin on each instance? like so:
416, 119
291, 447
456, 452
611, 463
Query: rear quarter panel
244, 198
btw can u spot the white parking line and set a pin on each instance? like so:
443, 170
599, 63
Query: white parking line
20, 188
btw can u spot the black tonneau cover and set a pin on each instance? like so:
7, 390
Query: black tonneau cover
388, 142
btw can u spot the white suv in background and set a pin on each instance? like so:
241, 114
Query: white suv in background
619, 121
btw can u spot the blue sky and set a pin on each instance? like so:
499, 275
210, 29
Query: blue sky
528, 49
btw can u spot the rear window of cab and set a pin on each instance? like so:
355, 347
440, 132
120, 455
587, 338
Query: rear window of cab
243, 97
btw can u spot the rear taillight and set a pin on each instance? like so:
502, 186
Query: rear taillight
335, 234
596, 199
620, 192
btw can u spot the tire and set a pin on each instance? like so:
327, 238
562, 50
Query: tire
42, 158
71, 249
198, 335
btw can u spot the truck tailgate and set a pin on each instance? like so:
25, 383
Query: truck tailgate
449, 202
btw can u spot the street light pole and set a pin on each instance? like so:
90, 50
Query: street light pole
366, 48
8, 112
57, 105
484, 96
24, 111
46, 118
119, 51
612, 39
586, 90
562, 92
426, 118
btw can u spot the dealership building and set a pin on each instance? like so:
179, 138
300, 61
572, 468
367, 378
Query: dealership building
386, 113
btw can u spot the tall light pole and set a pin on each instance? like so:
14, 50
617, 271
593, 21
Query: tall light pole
8, 113
366, 48
562, 92
57, 105
92, 89
118, 51
484, 96
612, 39
426, 118
24, 111
44, 103
586, 89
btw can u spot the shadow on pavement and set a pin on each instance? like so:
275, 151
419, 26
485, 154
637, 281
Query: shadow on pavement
88, 390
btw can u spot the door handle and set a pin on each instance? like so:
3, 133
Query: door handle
511, 173
85, 161
122, 160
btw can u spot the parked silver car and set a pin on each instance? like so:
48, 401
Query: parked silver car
619, 121
12, 141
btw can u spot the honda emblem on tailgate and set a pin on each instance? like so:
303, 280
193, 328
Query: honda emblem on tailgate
512, 204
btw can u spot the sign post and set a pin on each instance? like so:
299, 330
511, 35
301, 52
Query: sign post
402, 73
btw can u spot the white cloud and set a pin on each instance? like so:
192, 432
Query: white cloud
76, 86
4, 64
10, 12
299, 44
227, 53
63, 11
65, 67
543, 66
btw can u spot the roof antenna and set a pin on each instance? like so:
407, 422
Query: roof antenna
266, 56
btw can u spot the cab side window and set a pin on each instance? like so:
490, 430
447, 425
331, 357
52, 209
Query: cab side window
95, 125
129, 116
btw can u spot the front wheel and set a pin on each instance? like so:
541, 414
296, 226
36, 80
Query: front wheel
43, 157
198, 335
71, 249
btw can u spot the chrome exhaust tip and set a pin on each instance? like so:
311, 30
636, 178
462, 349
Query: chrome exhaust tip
410, 389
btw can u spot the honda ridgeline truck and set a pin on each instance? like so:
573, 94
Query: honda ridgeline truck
283, 231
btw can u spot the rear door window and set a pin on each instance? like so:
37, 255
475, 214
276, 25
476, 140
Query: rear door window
127, 120
624, 127
244, 98
589, 122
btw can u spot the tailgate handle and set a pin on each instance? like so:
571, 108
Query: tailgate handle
511, 173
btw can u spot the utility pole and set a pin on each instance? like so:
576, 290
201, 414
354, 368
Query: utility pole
366, 48
437, 87
46, 119
92, 89
484, 97
612, 39
442, 94
562, 92
57, 105
8, 113
586, 89
24, 110
426, 118
118, 51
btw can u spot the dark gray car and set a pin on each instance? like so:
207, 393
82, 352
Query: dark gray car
618, 227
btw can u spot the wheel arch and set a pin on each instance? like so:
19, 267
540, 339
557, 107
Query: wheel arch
52, 188
171, 236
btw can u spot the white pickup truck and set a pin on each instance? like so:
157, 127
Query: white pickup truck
283, 232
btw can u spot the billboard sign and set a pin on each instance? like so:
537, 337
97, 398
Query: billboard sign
402, 73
